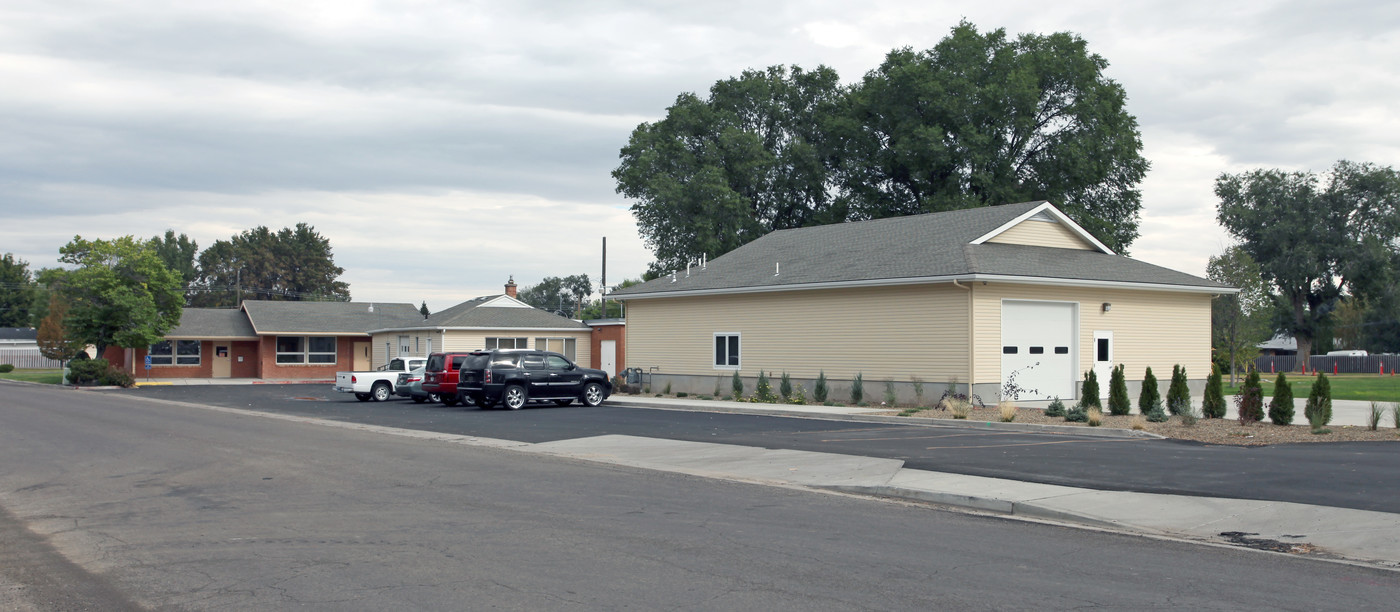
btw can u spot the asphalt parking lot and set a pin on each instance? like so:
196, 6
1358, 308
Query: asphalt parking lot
1355, 475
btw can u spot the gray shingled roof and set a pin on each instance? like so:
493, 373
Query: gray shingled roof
18, 333
918, 246
220, 323
473, 314
327, 317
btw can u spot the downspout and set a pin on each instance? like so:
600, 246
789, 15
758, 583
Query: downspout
971, 348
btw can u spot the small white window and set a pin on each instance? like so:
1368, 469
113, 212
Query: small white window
507, 343
727, 351
563, 346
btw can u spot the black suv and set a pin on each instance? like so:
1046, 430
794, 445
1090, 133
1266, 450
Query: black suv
515, 377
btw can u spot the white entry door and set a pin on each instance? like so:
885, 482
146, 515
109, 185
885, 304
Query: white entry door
608, 358
1038, 348
1103, 360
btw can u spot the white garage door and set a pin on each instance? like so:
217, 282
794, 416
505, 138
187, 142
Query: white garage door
1037, 345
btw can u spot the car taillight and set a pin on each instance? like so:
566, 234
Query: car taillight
352, 380
486, 378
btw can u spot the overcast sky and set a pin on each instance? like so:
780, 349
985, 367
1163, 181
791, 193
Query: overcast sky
444, 146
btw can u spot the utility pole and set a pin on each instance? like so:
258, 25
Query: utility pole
603, 289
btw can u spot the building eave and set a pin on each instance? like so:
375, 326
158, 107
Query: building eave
931, 280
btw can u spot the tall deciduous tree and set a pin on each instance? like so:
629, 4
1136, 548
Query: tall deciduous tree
16, 292
292, 264
179, 254
558, 294
1315, 237
1239, 321
751, 158
981, 119
120, 294
54, 339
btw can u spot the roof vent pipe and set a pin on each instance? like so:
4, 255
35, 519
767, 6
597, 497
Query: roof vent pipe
673, 276
775, 268
704, 261
687, 268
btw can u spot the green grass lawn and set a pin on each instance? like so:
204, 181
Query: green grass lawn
50, 377
1344, 386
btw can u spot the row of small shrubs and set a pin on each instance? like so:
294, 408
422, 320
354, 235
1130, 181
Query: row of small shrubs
97, 372
1249, 402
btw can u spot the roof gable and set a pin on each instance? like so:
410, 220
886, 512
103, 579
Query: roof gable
492, 312
213, 324
1044, 225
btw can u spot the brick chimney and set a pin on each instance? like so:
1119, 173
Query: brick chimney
510, 286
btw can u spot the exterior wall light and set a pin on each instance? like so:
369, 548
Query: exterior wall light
1107, 306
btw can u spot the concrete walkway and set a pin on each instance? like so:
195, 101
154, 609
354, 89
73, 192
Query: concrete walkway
166, 382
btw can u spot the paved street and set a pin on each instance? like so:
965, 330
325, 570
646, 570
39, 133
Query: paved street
1364, 476
169, 507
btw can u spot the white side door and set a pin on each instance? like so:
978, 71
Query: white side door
1103, 360
608, 359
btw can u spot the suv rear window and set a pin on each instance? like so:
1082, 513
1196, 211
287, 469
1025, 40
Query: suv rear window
435, 363
476, 361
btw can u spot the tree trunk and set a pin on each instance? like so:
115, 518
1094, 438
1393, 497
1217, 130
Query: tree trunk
1304, 351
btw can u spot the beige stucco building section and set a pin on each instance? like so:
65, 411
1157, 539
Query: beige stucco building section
884, 332
1035, 232
1151, 328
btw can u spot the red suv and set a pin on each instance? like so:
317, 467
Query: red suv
440, 375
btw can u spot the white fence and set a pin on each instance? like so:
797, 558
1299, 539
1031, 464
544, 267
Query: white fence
27, 358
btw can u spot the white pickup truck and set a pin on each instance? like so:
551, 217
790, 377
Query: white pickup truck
377, 385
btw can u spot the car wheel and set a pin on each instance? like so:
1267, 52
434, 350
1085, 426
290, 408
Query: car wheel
513, 397
434, 398
592, 394
364, 397
380, 391
563, 402
418, 399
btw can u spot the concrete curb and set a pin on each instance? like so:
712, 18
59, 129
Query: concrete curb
1096, 432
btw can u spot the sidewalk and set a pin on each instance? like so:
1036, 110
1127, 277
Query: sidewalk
166, 382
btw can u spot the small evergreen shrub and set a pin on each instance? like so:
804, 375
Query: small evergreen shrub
1213, 405
1319, 401
1156, 413
764, 391
820, 391
858, 389
1056, 408
785, 386
1118, 402
737, 384
1089, 391
1148, 397
890, 397
6, 368
1077, 414
682, 394
1178, 393
1249, 402
1281, 406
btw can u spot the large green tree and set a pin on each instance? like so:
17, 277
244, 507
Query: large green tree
292, 264
1316, 237
17, 291
179, 254
718, 172
981, 119
1239, 321
564, 294
120, 293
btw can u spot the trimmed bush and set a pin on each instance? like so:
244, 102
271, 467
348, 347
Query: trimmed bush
116, 378
1250, 400
1118, 402
858, 389
1213, 406
1149, 396
785, 386
820, 390
1077, 414
1055, 409
1319, 406
87, 371
1089, 391
6, 368
1178, 393
1281, 406
737, 384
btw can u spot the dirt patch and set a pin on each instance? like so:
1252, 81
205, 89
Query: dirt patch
1211, 431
